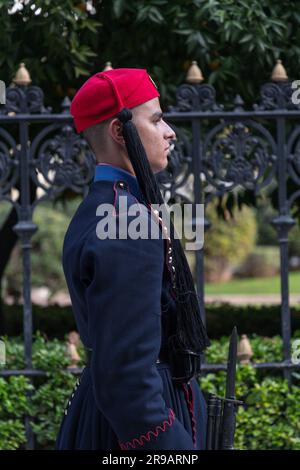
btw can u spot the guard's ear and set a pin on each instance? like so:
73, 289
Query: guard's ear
115, 130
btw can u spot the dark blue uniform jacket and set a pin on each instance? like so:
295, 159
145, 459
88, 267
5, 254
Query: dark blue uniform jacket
121, 298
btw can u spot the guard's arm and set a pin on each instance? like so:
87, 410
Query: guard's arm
124, 315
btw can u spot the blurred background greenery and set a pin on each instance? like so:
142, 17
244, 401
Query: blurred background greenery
236, 43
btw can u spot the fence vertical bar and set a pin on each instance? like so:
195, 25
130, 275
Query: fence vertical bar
25, 229
196, 162
283, 223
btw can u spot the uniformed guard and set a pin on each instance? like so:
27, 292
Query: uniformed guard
133, 298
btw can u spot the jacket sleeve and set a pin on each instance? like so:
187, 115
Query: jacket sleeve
124, 316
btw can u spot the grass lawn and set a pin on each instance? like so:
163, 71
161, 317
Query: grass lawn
262, 285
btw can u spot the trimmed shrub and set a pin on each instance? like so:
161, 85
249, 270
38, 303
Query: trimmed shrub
264, 320
269, 419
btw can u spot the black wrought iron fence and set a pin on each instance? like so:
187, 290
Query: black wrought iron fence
228, 150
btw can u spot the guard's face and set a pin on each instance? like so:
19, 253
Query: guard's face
155, 133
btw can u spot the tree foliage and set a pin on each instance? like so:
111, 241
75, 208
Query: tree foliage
235, 43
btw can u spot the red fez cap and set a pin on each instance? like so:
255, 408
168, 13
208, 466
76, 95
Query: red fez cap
105, 94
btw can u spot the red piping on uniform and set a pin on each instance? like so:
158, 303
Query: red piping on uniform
146, 437
115, 200
190, 402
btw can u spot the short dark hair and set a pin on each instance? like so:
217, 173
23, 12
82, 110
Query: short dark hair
95, 135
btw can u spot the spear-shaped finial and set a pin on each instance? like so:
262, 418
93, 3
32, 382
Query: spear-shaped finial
228, 423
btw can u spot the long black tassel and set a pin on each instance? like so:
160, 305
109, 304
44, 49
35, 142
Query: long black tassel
189, 331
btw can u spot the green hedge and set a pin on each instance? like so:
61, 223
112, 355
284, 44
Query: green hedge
48, 395
263, 320
270, 418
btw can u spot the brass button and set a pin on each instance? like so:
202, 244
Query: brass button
122, 185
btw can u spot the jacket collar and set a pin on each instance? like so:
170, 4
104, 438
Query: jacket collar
106, 172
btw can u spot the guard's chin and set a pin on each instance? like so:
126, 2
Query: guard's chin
165, 163
160, 166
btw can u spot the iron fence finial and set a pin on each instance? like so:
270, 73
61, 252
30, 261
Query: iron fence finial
245, 352
194, 74
279, 73
108, 66
22, 77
